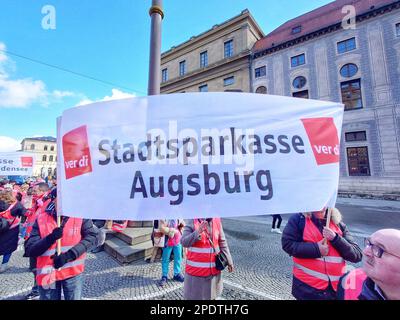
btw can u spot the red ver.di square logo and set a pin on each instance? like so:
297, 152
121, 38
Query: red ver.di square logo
324, 139
26, 161
77, 160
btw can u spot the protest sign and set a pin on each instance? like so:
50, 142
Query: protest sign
199, 155
16, 164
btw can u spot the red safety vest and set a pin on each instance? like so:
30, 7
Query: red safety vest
13, 221
318, 272
46, 275
119, 227
200, 260
32, 216
352, 284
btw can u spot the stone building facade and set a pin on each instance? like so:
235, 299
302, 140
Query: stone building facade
217, 60
45, 150
321, 56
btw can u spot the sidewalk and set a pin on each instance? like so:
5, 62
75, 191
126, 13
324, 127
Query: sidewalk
382, 204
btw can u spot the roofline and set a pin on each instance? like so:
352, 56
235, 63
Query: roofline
327, 29
243, 14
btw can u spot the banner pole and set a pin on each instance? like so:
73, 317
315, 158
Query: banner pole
58, 199
156, 14
328, 221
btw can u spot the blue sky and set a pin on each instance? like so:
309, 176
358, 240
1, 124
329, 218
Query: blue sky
104, 39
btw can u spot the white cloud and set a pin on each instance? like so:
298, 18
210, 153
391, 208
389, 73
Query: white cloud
116, 94
22, 93
8, 144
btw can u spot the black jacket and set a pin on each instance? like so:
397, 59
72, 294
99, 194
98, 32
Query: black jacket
293, 244
35, 246
9, 238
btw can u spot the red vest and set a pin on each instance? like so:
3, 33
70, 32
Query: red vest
32, 216
201, 256
352, 284
13, 221
46, 275
318, 272
119, 227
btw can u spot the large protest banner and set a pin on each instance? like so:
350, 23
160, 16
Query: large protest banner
199, 155
16, 163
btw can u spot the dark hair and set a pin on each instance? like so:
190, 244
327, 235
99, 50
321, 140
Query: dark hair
43, 186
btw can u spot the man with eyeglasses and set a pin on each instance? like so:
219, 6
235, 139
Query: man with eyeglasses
379, 277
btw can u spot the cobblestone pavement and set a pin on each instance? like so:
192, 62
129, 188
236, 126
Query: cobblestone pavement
262, 271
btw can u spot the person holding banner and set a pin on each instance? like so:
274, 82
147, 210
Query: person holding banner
320, 244
57, 272
379, 277
11, 212
40, 200
204, 239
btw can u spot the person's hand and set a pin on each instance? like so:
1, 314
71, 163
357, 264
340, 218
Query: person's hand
203, 226
171, 233
323, 248
62, 259
328, 234
56, 234
230, 268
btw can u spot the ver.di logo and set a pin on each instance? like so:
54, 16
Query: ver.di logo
324, 139
77, 160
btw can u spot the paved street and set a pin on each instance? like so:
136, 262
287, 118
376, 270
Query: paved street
262, 269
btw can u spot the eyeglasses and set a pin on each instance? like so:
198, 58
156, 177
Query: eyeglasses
377, 250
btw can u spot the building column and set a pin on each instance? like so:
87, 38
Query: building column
321, 64
383, 103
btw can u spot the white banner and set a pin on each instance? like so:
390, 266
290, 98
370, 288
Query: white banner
16, 163
199, 155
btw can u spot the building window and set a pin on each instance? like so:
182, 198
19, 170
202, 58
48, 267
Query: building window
51, 158
356, 136
301, 94
262, 90
348, 70
299, 82
260, 72
357, 159
351, 94
52, 148
45, 148
228, 49
32, 146
229, 81
182, 68
398, 29
298, 60
346, 45
296, 30
203, 59
44, 158
203, 88
164, 75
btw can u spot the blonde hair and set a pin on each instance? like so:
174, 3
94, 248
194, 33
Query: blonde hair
7, 196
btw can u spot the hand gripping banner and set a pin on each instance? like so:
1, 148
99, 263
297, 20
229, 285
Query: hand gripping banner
199, 155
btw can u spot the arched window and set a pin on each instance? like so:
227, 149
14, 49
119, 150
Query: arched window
299, 82
32, 146
52, 148
45, 148
44, 158
262, 90
349, 70
51, 158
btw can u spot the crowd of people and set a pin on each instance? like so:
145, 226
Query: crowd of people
318, 242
